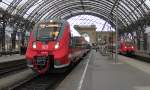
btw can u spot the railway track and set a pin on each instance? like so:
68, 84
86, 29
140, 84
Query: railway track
137, 57
9, 68
45, 82
140, 58
49, 81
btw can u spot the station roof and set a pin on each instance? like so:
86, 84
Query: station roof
34, 10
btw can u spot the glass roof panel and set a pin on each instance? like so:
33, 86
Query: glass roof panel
22, 2
4, 4
30, 10
143, 6
19, 6
26, 15
133, 2
136, 12
139, 11
7, 1
124, 6
34, 6
130, 8
46, 15
147, 2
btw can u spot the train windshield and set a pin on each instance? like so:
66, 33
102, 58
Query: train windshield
48, 32
129, 44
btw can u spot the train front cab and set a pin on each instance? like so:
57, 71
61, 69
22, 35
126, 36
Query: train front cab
41, 55
126, 48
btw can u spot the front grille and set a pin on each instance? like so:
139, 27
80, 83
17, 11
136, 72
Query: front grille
41, 60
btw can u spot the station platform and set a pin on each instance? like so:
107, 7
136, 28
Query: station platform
97, 72
14, 57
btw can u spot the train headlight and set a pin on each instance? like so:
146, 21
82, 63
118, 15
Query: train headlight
125, 47
132, 47
57, 45
34, 45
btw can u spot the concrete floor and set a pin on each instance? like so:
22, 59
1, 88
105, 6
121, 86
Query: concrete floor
103, 74
15, 78
9, 58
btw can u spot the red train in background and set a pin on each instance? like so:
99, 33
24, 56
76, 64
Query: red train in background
51, 46
127, 48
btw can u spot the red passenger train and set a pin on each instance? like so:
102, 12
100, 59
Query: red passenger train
127, 48
51, 46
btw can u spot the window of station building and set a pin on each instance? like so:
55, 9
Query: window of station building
89, 20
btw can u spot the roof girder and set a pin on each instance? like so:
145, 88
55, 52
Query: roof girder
51, 6
67, 6
127, 18
65, 12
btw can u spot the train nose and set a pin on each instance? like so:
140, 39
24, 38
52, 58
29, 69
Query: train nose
43, 63
41, 60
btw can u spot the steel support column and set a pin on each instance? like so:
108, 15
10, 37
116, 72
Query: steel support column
116, 49
13, 36
145, 41
2, 32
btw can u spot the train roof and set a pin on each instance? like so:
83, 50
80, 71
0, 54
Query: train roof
53, 21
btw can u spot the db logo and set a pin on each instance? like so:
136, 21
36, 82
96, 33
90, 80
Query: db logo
45, 47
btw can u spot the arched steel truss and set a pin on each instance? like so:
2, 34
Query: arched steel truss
129, 11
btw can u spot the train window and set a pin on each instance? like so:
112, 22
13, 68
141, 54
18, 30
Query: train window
70, 42
48, 32
128, 43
